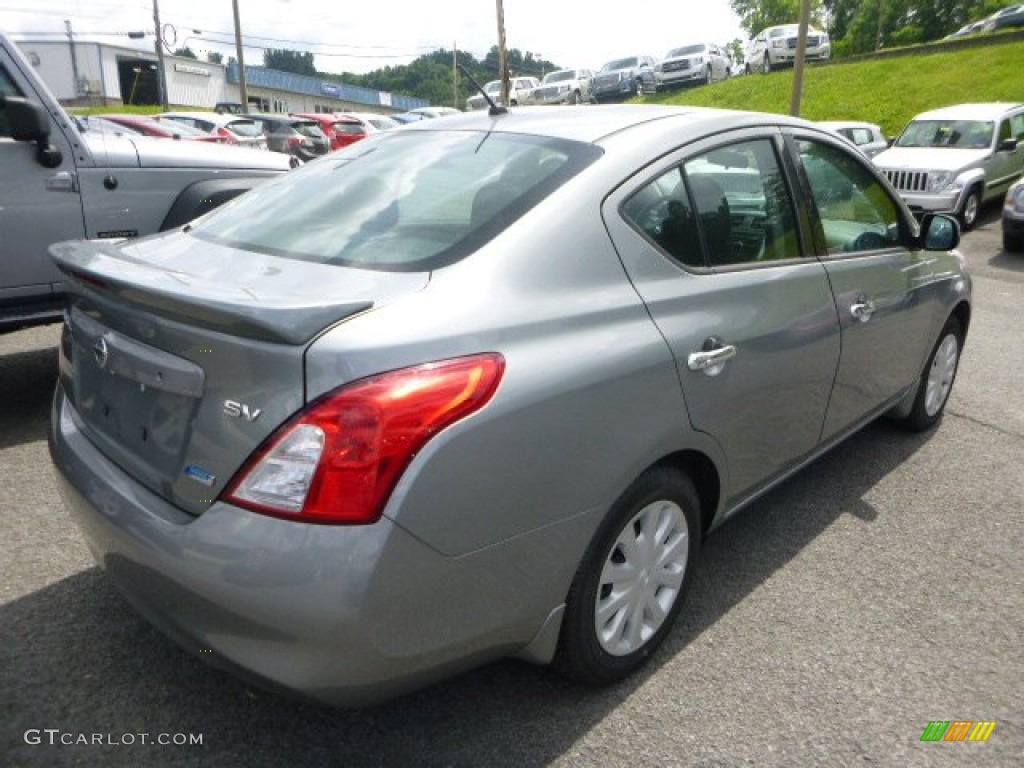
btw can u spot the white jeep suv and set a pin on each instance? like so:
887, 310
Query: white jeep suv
957, 158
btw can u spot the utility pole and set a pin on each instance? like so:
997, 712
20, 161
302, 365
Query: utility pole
798, 62
242, 90
74, 57
161, 82
455, 74
502, 55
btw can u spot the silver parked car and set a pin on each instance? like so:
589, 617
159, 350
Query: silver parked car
956, 159
622, 78
867, 137
1013, 217
389, 417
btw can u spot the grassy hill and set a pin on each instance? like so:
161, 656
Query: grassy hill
888, 91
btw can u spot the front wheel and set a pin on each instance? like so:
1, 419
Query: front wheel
766, 65
937, 379
970, 208
575, 98
639, 90
630, 584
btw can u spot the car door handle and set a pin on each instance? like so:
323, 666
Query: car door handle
711, 361
862, 309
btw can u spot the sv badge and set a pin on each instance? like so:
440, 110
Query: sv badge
237, 410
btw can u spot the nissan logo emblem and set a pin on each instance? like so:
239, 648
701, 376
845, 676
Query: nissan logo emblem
101, 353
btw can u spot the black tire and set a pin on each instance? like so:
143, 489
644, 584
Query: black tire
936, 379
575, 98
1012, 242
766, 65
661, 500
707, 76
639, 91
970, 209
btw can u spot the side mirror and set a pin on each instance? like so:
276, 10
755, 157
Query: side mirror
30, 122
940, 232
1007, 145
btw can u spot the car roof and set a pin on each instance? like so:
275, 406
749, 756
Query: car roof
987, 111
593, 125
213, 117
834, 124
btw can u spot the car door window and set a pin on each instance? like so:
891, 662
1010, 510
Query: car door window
7, 88
726, 207
857, 214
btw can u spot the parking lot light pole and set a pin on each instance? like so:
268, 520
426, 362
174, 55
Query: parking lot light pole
798, 62
242, 90
161, 81
502, 54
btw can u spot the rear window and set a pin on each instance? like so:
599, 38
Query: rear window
349, 128
400, 201
244, 128
310, 128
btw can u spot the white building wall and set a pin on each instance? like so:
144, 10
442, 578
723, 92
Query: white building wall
195, 83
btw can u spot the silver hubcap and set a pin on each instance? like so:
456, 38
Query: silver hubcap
940, 376
971, 209
641, 578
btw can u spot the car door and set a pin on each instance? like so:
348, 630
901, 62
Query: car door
711, 243
38, 205
884, 290
1006, 165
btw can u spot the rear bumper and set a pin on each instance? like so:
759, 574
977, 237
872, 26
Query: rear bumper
344, 615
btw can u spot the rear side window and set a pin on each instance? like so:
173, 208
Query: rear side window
400, 201
244, 128
723, 208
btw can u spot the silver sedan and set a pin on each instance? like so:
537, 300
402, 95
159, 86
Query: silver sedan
480, 387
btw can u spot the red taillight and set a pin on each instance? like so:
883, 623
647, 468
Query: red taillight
229, 138
339, 459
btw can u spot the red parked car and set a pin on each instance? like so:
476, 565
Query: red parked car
149, 126
341, 131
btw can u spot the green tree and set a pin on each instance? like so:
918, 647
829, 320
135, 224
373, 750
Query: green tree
755, 15
286, 60
735, 51
185, 53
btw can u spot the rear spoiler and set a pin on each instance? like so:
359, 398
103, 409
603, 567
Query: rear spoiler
95, 267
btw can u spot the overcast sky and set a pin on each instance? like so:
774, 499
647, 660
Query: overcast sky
358, 36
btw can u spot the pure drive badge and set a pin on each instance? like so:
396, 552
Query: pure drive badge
200, 475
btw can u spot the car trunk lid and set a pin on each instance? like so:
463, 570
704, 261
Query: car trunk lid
180, 361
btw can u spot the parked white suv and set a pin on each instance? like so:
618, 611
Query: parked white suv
700, 63
957, 158
564, 86
519, 91
776, 46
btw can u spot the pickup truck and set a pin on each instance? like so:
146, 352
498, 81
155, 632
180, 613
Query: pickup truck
62, 183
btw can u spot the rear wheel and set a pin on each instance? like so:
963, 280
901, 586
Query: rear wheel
937, 379
969, 210
630, 584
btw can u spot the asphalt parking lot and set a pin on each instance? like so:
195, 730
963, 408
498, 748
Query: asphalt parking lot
881, 589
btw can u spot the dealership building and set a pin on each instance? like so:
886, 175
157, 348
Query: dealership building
87, 73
